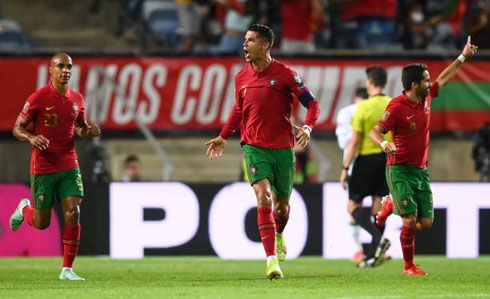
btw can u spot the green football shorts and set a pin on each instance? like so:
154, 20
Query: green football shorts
410, 189
46, 188
277, 165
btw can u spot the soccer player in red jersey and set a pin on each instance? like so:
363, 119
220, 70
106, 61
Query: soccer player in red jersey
264, 92
408, 117
57, 112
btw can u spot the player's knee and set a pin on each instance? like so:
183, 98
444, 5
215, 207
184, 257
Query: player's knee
281, 209
410, 220
424, 224
41, 224
264, 198
73, 214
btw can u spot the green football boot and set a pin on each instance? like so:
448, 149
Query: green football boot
281, 250
68, 274
17, 218
273, 270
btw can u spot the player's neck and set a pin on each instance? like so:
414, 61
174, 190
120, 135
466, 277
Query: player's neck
60, 88
375, 91
412, 96
262, 64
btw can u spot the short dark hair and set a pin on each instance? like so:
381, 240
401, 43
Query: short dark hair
131, 158
361, 92
265, 32
377, 74
412, 73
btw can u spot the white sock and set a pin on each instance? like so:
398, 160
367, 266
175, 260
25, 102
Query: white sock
271, 257
66, 268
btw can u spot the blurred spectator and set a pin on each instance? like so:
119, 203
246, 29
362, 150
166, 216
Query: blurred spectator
129, 12
481, 152
189, 22
132, 169
238, 17
477, 23
366, 24
297, 32
411, 27
445, 20
11, 35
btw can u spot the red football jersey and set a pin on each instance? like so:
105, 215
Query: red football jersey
264, 101
54, 116
409, 123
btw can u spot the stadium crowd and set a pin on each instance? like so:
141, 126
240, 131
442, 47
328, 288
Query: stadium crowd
302, 26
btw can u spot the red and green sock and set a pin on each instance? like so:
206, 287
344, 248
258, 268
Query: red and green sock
267, 230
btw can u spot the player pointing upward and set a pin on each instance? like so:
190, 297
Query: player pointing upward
408, 117
264, 95
56, 112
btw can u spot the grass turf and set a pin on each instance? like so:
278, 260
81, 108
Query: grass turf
307, 277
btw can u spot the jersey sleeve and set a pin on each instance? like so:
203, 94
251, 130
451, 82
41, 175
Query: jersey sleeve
30, 109
81, 114
434, 90
388, 121
235, 118
358, 118
298, 87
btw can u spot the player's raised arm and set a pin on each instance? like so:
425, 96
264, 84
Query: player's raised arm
449, 72
21, 133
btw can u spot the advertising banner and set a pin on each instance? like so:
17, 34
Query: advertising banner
175, 218
183, 93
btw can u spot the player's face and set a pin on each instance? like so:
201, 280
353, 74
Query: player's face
60, 69
133, 171
253, 46
424, 85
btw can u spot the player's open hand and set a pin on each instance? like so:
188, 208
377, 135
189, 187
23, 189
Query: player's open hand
93, 130
215, 147
469, 49
344, 178
303, 136
389, 148
39, 141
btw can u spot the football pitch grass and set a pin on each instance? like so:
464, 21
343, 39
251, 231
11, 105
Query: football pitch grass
210, 277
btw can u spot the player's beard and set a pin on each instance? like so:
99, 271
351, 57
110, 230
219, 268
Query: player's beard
423, 92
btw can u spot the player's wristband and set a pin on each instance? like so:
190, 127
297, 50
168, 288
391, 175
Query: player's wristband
383, 144
308, 128
461, 58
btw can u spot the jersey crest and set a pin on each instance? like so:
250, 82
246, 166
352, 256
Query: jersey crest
273, 82
413, 127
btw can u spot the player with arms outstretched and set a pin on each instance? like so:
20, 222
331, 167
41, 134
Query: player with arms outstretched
408, 118
264, 96
57, 112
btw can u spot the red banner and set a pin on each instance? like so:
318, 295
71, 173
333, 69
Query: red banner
198, 93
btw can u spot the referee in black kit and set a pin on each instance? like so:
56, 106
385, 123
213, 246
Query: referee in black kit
368, 173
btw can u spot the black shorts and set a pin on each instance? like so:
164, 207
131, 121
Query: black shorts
368, 177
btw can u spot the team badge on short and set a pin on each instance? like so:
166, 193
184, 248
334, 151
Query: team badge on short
385, 116
253, 169
40, 197
405, 202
